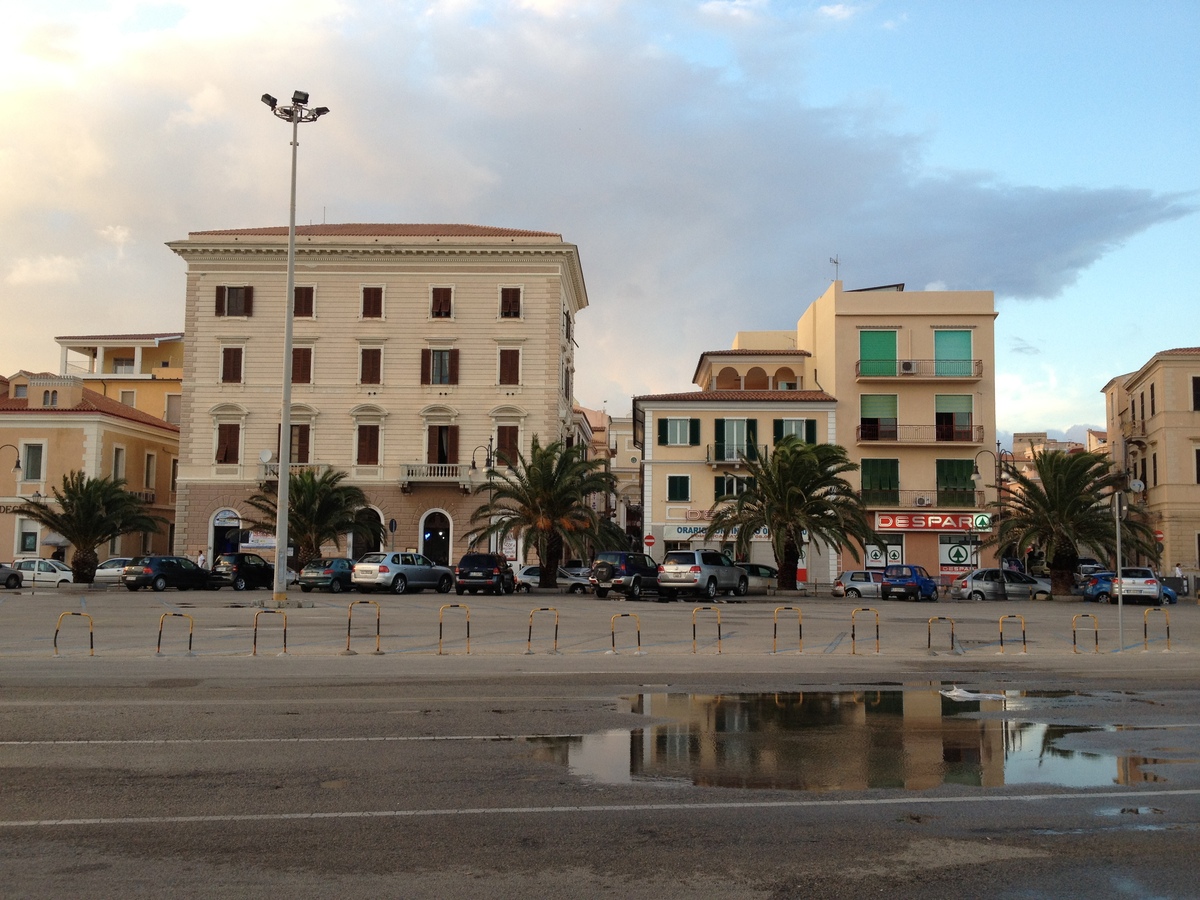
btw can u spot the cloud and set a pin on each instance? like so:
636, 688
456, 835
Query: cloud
44, 270
1023, 347
839, 12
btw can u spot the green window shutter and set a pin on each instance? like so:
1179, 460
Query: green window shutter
718, 487
662, 432
694, 432
777, 426
877, 352
880, 474
955, 475
752, 439
952, 353
810, 431
719, 439
952, 403
878, 406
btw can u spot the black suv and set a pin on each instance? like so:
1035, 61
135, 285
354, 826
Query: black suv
631, 574
243, 570
484, 572
162, 572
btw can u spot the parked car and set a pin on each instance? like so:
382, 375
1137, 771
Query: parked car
10, 577
401, 573
529, 576
578, 568
761, 577
1138, 585
110, 571
631, 574
484, 572
702, 572
242, 571
162, 572
43, 572
1087, 567
331, 574
999, 584
859, 583
1169, 597
909, 581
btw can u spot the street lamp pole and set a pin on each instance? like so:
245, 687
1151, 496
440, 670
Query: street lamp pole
296, 113
489, 463
999, 456
17, 465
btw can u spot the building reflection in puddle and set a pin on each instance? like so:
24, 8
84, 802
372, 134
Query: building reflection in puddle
838, 741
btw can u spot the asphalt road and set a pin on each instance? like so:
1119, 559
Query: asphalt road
422, 775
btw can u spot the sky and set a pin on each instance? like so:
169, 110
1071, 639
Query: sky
708, 158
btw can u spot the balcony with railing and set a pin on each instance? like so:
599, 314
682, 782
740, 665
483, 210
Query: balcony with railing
934, 369
932, 498
733, 453
435, 473
919, 434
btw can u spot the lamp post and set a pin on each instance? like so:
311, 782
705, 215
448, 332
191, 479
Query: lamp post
489, 463
999, 457
296, 113
17, 465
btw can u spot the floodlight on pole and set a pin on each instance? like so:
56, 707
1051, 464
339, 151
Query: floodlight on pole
296, 113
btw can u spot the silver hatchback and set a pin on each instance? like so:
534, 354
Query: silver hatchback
703, 572
400, 573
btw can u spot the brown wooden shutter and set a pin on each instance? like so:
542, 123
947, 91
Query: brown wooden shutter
452, 443
506, 444
220, 299
426, 365
231, 365
227, 442
302, 303
372, 366
301, 365
510, 303
431, 455
368, 445
248, 294
441, 303
510, 366
300, 443
372, 302
454, 366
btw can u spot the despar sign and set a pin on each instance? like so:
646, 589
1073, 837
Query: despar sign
931, 522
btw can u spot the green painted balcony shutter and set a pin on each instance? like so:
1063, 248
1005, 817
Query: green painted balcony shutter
952, 353
810, 431
877, 352
955, 474
694, 432
880, 474
752, 439
719, 439
777, 429
718, 487
662, 432
878, 406
953, 403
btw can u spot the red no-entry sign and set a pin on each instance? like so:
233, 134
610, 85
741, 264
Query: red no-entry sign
649, 540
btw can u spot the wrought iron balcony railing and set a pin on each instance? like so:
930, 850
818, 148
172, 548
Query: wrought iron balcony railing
919, 368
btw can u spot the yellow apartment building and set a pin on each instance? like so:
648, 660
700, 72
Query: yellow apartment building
419, 352
53, 425
1154, 434
904, 380
144, 371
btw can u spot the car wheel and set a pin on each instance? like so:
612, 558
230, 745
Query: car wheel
710, 589
743, 588
399, 585
975, 595
335, 586
159, 584
855, 593
131, 587
1103, 598
306, 588
444, 584
601, 592
13, 582
458, 591
239, 583
576, 589
635, 590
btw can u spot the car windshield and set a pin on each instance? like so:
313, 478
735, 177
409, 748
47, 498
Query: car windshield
317, 564
373, 558
1136, 573
477, 560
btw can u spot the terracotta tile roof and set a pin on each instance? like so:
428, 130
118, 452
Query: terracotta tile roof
743, 396
753, 352
384, 230
92, 402
1181, 351
152, 336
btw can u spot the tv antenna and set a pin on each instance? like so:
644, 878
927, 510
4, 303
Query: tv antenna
836, 261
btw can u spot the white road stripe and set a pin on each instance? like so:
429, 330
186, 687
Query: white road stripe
622, 807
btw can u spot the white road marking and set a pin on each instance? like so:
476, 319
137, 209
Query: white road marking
621, 807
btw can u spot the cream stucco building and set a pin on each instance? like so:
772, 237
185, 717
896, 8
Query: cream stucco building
416, 349
144, 371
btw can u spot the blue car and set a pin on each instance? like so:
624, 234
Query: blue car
909, 582
1141, 586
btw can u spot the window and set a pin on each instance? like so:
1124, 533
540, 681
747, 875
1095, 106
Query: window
679, 488
129, 398
442, 444
952, 354
235, 301
151, 472
368, 445
1153, 469
1198, 465
372, 303
1152, 403
952, 417
439, 366
440, 302
507, 448
28, 536
954, 484
1195, 393
567, 325
49, 398
877, 417
877, 352
118, 469
229, 440
122, 365
231, 365
510, 366
730, 486
679, 432
174, 475
1142, 405
510, 303
734, 439
302, 302
803, 429
298, 447
31, 469
880, 482
20, 391
370, 365
173, 412
302, 365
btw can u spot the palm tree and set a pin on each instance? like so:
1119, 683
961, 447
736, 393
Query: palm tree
1067, 509
542, 500
797, 493
90, 512
322, 509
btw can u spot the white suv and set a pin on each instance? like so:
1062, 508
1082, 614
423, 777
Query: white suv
704, 572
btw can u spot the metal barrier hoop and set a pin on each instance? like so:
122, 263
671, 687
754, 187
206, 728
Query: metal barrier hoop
1146, 627
191, 629
700, 609
775, 628
929, 636
275, 612
350, 621
441, 613
613, 628
1095, 628
529, 642
91, 631
853, 625
1021, 619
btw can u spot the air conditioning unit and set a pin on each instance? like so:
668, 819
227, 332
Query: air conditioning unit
924, 501
908, 367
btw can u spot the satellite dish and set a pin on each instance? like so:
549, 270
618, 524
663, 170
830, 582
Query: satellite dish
1137, 485
266, 456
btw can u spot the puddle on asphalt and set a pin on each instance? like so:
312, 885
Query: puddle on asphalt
844, 741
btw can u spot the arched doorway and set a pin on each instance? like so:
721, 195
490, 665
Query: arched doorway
435, 537
357, 546
225, 533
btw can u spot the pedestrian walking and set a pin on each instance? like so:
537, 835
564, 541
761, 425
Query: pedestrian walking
202, 560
